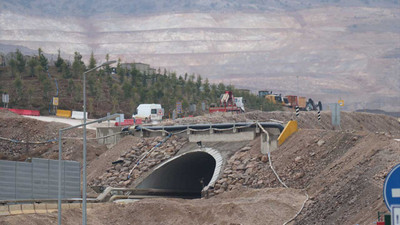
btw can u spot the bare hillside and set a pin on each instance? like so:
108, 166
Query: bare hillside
324, 51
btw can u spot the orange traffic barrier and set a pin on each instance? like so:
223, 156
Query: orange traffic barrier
64, 113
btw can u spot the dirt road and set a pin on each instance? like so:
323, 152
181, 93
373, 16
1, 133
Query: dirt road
246, 206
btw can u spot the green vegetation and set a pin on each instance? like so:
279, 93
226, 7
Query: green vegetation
107, 92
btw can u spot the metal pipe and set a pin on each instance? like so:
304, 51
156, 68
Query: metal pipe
59, 175
60, 155
84, 220
205, 126
84, 208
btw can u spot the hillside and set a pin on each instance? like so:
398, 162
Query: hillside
325, 50
33, 88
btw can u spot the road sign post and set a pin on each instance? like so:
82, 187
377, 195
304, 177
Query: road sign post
319, 115
335, 112
179, 107
55, 104
395, 214
391, 188
5, 99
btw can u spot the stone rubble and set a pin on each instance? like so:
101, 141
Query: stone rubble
117, 174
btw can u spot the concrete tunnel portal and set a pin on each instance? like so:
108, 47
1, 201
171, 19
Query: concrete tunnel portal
185, 175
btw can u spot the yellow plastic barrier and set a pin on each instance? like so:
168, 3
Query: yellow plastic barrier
64, 113
40, 208
4, 210
51, 207
74, 205
290, 128
28, 208
15, 209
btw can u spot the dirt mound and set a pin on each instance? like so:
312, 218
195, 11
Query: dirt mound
23, 138
5, 114
245, 206
342, 172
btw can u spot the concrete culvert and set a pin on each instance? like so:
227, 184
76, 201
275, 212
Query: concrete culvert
185, 175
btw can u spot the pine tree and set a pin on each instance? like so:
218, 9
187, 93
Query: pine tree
127, 89
20, 61
99, 93
66, 71
70, 88
18, 85
91, 84
108, 69
206, 89
92, 61
78, 92
59, 62
46, 89
78, 66
42, 59
32, 63
13, 65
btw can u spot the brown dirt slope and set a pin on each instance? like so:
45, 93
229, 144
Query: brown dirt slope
245, 206
342, 172
16, 127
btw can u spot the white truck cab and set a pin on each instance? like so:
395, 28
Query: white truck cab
149, 113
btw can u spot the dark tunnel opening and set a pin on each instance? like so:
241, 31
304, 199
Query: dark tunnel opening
183, 177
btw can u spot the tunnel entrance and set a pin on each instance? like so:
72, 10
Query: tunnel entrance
183, 176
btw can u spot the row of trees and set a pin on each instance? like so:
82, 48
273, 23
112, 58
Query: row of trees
119, 91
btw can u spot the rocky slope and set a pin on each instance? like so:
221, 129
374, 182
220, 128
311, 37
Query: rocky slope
341, 170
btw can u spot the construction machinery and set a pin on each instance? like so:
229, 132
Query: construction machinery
313, 107
228, 103
292, 101
285, 102
302, 103
274, 98
264, 93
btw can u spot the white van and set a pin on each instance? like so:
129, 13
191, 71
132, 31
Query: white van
239, 103
149, 113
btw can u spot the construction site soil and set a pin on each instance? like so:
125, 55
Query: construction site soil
342, 171
19, 135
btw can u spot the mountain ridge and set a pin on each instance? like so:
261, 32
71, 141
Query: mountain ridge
89, 8
327, 53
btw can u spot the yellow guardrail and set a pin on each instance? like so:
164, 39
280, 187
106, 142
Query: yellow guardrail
6, 210
64, 113
291, 127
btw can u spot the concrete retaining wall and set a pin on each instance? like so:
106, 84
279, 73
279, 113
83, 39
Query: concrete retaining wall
112, 135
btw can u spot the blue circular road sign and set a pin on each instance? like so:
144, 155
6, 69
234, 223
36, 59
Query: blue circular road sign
391, 188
